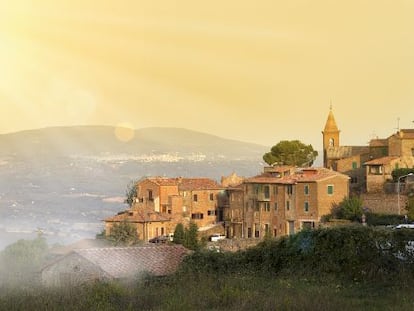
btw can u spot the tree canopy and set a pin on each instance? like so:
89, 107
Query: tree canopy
292, 152
131, 192
123, 233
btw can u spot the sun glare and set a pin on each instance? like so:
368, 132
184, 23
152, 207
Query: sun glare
124, 132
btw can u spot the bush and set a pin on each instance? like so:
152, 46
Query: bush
350, 208
123, 233
354, 252
397, 173
374, 219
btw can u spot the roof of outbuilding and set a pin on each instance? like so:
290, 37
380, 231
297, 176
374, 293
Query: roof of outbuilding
126, 262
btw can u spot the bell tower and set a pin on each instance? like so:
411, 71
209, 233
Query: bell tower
330, 136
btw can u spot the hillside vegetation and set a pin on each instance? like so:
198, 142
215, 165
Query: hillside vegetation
344, 268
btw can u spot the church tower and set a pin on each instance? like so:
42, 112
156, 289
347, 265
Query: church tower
330, 136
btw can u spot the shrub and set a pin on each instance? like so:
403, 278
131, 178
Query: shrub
374, 219
123, 233
355, 252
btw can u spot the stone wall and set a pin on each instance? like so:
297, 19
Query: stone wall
384, 203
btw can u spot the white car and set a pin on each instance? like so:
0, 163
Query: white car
404, 226
216, 237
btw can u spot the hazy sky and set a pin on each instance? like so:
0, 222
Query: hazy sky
258, 71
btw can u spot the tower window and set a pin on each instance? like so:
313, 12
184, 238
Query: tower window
331, 142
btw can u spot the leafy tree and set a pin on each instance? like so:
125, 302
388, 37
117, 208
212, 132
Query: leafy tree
398, 172
123, 233
179, 234
350, 208
410, 206
131, 192
21, 260
292, 152
191, 237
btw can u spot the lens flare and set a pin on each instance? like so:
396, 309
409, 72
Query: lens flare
124, 132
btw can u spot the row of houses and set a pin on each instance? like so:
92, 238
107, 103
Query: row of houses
280, 201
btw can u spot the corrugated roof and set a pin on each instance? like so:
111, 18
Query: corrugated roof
126, 262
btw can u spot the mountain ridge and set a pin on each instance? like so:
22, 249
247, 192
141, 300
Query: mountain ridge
92, 139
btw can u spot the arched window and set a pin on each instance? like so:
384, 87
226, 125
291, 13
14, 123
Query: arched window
331, 142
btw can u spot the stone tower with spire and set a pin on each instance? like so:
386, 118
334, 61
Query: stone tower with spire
330, 136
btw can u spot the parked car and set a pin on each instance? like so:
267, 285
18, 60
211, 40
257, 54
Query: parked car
159, 239
216, 237
404, 226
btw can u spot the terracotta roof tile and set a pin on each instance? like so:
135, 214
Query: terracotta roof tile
124, 262
381, 161
200, 183
378, 142
138, 216
302, 175
345, 151
405, 134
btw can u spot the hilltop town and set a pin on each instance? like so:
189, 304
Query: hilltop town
282, 199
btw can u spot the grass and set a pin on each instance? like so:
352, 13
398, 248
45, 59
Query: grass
189, 291
327, 269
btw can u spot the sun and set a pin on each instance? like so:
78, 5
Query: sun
124, 132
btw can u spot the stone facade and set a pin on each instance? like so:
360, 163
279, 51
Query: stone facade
170, 201
278, 205
382, 203
369, 167
147, 223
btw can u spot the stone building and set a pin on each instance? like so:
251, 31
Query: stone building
162, 203
148, 224
348, 160
112, 263
369, 167
283, 200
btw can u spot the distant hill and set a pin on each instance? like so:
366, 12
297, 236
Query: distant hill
63, 181
98, 140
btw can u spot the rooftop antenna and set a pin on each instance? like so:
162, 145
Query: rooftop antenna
398, 124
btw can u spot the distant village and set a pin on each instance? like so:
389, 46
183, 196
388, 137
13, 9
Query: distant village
279, 201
